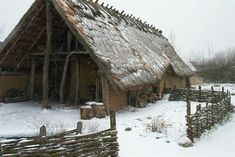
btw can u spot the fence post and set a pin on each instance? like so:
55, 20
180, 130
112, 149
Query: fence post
42, 132
189, 121
223, 95
79, 128
200, 93
112, 120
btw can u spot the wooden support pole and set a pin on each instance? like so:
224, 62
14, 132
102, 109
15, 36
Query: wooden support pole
77, 96
32, 78
63, 80
105, 93
97, 93
47, 55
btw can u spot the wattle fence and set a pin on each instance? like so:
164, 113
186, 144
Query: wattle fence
71, 144
218, 106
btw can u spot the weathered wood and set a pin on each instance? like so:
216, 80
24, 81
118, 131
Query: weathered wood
86, 112
79, 127
112, 120
103, 143
32, 79
105, 93
42, 132
99, 110
30, 48
77, 93
47, 55
19, 35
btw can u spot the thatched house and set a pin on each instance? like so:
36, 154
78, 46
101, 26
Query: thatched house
82, 50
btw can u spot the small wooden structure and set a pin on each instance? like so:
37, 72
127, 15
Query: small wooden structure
77, 51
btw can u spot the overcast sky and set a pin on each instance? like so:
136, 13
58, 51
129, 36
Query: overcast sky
197, 24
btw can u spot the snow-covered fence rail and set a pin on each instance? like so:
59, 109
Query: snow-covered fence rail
197, 95
70, 143
206, 117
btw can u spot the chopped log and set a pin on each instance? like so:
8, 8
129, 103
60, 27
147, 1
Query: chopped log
99, 110
86, 112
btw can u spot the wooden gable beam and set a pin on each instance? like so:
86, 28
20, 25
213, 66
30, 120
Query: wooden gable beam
19, 36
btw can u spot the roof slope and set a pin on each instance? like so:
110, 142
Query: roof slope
129, 52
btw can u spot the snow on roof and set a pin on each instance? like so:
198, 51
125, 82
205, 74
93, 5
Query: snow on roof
129, 52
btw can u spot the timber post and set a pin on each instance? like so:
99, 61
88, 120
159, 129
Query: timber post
105, 93
79, 127
77, 96
66, 65
32, 79
47, 55
189, 121
112, 120
42, 132
200, 93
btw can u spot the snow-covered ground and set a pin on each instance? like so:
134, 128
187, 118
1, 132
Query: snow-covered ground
22, 119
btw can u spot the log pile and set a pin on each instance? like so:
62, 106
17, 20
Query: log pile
145, 99
91, 110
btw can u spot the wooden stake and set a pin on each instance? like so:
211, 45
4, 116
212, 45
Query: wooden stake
32, 78
112, 120
47, 55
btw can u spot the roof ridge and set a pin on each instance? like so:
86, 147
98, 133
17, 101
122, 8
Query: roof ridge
131, 19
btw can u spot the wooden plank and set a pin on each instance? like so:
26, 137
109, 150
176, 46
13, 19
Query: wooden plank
47, 55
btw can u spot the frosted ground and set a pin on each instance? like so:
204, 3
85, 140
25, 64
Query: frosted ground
24, 119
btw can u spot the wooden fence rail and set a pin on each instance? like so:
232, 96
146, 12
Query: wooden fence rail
70, 143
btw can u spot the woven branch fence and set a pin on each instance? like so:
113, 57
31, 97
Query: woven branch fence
67, 144
206, 117
218, 106
196, 95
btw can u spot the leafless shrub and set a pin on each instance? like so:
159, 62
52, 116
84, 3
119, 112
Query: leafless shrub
91, 128
52, 128
157, 124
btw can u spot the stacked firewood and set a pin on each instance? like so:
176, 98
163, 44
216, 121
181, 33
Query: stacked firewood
91, 110
145, 99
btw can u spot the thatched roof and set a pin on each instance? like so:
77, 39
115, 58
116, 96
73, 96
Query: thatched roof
129, 52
